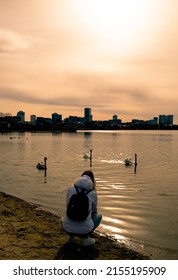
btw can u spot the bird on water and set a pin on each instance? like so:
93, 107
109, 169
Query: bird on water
85, 156
42, 165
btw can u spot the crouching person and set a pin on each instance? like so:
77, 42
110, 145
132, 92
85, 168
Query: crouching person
82, 216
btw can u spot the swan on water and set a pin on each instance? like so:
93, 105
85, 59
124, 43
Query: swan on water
128, 161
42, 165
85, 156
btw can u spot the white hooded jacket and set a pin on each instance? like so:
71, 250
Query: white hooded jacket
86, 226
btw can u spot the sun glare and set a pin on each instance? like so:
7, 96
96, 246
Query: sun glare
118, 21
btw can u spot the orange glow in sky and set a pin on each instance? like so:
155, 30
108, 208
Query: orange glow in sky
115, 56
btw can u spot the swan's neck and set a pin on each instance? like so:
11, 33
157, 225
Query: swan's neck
90, 154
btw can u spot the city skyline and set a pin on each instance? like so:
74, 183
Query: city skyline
117, 57
89, 117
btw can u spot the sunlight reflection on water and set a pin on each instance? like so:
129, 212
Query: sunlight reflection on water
140, 207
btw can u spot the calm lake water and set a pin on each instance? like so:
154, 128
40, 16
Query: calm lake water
139, 208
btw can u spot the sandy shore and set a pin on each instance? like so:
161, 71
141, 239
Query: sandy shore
28, 233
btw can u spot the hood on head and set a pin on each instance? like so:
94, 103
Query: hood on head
84, 182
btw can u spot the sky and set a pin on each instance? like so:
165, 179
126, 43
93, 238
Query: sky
114, 56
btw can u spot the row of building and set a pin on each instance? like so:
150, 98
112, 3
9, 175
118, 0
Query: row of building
161, 120
88, 118
56, 121
57, 118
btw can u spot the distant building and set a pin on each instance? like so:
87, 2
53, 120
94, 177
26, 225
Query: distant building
155, 121
33, 119
169, 119
43, 121
165, 120
115, 118
162, 119
56, 118
87, 115
74, 120
138, 122
115, 121
21, 115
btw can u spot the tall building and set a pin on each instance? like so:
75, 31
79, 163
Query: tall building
162, 119
165, 119
169, 119
56, 118
21, 115
87, 115
33, 119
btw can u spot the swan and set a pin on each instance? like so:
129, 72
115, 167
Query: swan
42, 165
85, 156
128, 161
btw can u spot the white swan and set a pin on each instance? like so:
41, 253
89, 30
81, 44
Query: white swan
42, 165
85, 156
128, 161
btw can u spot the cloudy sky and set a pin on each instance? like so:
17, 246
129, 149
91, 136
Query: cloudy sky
115, 56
